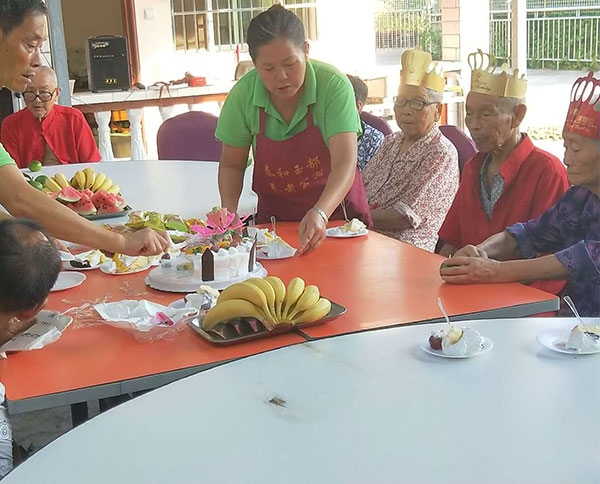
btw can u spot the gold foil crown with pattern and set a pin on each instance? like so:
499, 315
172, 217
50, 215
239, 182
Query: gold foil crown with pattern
419, 70
486, 79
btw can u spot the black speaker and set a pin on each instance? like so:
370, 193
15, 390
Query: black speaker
107, 63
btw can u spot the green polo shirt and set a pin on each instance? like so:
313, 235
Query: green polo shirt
326, 90
5, 158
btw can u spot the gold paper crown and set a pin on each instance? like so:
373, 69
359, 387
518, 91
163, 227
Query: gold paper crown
500, 84
418, 70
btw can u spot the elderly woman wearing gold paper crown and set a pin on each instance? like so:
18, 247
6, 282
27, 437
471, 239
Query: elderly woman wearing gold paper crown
509, 180
570, 230
412, 179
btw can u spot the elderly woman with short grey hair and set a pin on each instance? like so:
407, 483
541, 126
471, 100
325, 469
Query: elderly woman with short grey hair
412, 179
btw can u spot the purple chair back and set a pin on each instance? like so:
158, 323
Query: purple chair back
464, 145
189, 136
376, 122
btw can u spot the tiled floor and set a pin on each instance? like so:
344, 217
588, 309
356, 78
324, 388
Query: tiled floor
34, 430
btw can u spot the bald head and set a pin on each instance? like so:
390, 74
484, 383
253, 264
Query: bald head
45, 77
44, 84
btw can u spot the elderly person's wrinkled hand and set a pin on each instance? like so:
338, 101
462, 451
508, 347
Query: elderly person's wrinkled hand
470, 251
311, 232
145, 242
470, 270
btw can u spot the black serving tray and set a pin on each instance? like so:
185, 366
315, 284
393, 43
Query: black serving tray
241, 329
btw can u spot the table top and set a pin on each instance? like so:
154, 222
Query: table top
370, 407
403, 290
88, 101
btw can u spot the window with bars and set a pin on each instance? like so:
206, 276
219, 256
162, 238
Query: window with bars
222, 24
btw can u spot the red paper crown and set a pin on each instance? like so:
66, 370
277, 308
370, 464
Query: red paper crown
584, 112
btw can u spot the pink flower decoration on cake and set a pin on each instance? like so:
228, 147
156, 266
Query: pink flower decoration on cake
219, 221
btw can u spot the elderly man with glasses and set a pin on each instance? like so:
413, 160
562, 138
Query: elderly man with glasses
45, 131
412, 179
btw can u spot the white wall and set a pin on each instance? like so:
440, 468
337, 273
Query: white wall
81, 22
346, 39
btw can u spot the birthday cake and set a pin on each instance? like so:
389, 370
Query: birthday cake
218, 253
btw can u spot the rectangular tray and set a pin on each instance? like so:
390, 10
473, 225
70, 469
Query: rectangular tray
242, 331
102, 216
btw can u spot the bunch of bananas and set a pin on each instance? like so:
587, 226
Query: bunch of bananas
270, 302
82, 180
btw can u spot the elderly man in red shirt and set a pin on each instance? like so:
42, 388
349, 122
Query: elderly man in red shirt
509, 180
45, 131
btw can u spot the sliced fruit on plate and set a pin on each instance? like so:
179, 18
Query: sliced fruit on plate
84, 206
108, 202
68, 194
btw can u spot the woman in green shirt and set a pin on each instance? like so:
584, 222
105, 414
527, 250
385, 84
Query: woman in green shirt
299, 116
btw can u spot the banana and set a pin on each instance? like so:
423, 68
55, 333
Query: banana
100, 177
315, 312
106, 185
279, 289
247, 292
51, 184
269, 292
61, 180
229, 309
294, 291
309, 298
90, 177
114, 189
79, 180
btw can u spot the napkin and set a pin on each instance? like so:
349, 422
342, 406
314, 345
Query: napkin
48, 328
141, 315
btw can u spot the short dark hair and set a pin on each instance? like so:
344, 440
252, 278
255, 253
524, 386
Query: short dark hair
275, 23
361, 90
13, 12
29, 265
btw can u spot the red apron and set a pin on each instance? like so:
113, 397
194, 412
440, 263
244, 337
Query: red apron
290, 176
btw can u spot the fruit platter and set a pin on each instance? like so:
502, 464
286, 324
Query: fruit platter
92, 195
258, 308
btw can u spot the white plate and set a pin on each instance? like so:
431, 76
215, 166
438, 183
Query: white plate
488, 344
188, 284
65, 256
67, 280
109, 268
556, 340
262, 256
73, 245
66, 265
339, 233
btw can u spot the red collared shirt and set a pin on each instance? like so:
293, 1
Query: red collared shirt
64, 130
534, 180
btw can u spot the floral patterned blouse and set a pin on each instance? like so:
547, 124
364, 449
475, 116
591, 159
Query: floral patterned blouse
420, 184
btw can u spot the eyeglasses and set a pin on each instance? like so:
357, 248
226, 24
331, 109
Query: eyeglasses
45, 96
414, 104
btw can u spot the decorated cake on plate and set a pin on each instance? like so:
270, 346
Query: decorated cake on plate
219, 250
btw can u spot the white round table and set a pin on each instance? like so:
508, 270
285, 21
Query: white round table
364, 408
193, 185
